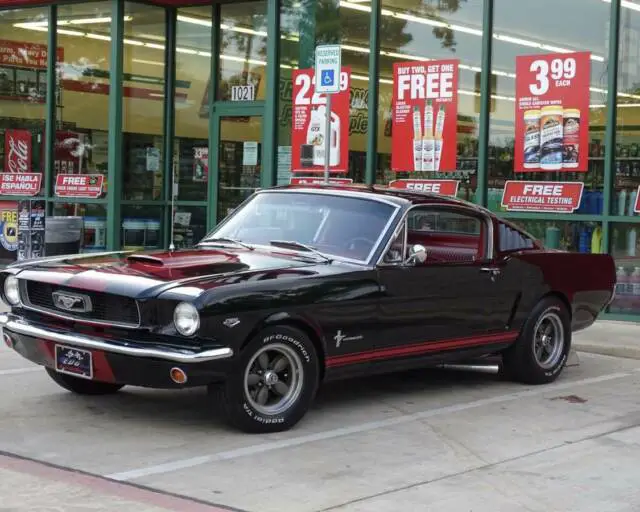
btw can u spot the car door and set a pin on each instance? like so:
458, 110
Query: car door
456, 298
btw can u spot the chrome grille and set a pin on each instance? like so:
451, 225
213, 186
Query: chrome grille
106, 308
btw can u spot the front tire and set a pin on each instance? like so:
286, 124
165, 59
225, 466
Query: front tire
540, 353
83, 386
274, 383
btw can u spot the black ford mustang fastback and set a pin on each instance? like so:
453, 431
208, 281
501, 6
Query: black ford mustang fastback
301, 285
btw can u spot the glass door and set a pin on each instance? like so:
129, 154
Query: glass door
239, 160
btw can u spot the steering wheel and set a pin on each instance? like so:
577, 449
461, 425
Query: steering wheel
351, 245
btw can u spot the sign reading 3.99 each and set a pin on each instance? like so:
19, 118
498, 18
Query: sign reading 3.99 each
552, 112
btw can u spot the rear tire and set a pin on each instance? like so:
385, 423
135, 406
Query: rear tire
83, 386
541, 351
273, 384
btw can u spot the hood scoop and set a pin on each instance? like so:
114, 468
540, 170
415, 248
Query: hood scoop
145, 258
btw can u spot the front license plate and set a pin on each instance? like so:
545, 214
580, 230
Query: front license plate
74, 361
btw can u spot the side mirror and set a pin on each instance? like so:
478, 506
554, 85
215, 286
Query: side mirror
417, 254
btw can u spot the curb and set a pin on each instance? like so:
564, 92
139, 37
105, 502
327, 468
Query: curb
625, 351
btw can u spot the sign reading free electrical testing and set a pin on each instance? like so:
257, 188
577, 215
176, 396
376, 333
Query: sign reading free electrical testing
308, 124
425, 116
542, 196
552, 112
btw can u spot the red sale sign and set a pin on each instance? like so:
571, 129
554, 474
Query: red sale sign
552, 112
320, 181
79, 185
425, 116
442, 187
542, 196
308, 128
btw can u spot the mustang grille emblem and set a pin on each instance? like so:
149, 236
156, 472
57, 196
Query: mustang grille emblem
71, 302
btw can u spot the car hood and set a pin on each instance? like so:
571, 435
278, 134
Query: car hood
147, 274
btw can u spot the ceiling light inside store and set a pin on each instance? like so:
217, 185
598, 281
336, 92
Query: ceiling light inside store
102, 37
68, 32
626, 4
77, 21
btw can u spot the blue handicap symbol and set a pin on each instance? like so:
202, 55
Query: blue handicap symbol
327, 77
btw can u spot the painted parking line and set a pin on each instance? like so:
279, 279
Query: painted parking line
356, 429
18, 371
98, 484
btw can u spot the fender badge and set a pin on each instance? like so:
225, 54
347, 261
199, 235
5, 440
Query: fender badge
231, 322
340, 337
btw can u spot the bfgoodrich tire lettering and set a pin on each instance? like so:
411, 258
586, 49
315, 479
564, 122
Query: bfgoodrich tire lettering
273, 384
83, 386
541, 352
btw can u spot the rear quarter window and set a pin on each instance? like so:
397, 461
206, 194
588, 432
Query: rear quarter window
511, 239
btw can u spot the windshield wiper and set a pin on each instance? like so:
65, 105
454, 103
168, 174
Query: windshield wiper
226, 241
297, 245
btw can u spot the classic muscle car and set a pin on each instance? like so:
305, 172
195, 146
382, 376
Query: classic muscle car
301, 285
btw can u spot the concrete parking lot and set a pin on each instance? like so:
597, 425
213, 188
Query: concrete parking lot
441, 440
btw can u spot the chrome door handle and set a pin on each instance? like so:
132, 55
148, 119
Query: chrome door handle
494, 271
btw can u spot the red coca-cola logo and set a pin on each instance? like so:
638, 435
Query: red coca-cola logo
18, 151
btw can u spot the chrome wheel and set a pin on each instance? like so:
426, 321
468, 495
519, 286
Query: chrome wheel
273, 379
548, 340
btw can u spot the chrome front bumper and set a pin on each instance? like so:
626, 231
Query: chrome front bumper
19, 326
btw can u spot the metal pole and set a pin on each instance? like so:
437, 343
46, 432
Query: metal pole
327, 140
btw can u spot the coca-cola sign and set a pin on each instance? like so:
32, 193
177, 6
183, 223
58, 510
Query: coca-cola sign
17, 151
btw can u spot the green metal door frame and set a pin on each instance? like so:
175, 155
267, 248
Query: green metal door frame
219, 111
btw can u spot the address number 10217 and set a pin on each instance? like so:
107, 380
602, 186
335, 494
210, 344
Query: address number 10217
307, 95
561, 71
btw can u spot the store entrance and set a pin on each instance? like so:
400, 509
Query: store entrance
239, 158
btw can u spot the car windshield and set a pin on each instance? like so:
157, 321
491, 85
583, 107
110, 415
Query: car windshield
339, 226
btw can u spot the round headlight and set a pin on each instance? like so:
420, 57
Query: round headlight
11, 290
186, 319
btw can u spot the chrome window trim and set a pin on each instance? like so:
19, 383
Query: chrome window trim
26, 303
488, 220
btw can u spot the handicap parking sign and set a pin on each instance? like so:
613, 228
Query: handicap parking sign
328, 67
328, 77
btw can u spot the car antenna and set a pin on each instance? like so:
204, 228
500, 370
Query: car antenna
172, 246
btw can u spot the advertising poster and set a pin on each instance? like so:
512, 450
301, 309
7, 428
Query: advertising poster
200, 164
542, 196
425, 116
79, 185
8, 230
442, 187
636, 206
552, 112
17, 178
308, 124
24, 229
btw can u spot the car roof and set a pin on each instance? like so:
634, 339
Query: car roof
401, 197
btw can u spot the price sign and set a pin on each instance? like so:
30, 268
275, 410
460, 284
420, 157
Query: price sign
552, 112
309, 124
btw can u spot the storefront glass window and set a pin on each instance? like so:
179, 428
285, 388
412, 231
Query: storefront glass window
82, 115
585, 237
193, 69
23, 80
141, 227
415, 32
305, 24
243, 51
189, 225
627, 166
522, 28
94, 225
142, 104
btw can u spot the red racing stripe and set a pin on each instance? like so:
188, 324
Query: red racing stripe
420, 348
